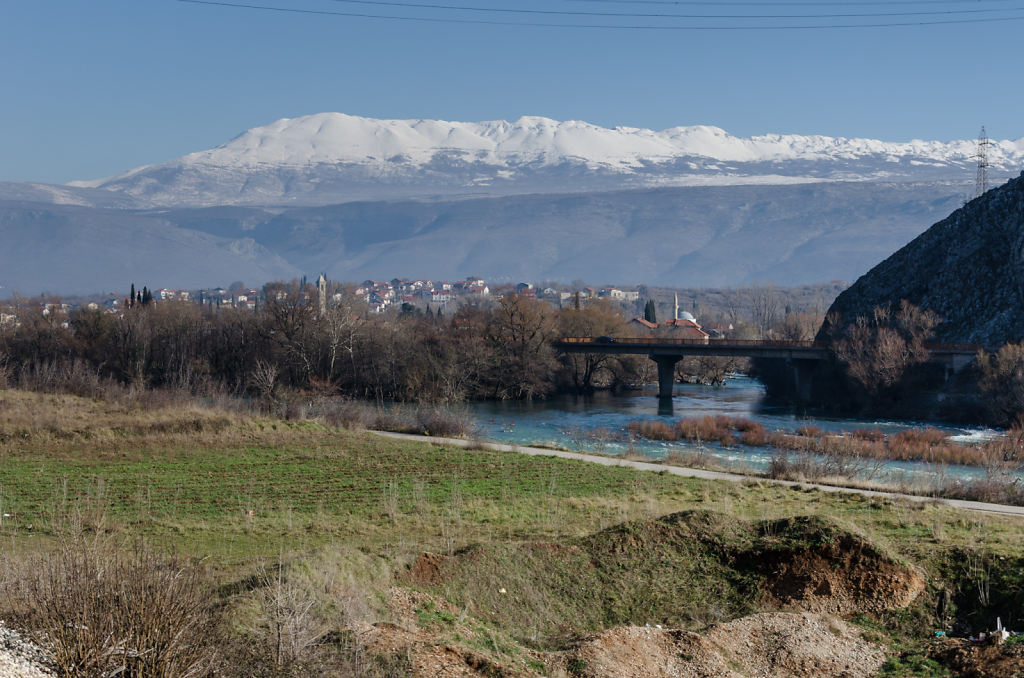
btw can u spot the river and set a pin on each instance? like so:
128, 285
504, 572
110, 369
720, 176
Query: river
599, 423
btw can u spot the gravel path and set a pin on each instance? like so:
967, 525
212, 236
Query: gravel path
1000, 509
20, 658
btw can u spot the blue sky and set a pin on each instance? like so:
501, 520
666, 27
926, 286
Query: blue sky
94, 88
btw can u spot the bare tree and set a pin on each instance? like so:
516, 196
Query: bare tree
341, 326
264, 378
878, 350
291, 318
764, 307
1002, 382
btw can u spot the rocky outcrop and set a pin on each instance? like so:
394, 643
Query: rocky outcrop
968, 268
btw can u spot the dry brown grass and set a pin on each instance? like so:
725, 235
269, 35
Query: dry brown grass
46, 421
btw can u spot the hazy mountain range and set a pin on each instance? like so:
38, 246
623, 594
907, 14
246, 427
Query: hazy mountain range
531, 199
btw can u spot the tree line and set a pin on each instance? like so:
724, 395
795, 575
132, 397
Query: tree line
500, 349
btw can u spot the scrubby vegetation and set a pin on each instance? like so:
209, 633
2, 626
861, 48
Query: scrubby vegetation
859, 455
1002, 382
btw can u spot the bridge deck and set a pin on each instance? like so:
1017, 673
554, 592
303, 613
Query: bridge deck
751, 348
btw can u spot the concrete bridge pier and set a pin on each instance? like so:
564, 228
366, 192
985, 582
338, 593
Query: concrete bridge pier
954, 364
666, 374
803, 371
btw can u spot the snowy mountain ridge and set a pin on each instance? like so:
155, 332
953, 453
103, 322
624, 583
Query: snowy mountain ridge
501, 149
533, 199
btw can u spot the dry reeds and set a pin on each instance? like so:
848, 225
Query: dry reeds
710, 428
929, 445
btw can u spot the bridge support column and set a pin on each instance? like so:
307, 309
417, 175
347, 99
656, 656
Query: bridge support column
803, 371
666, 374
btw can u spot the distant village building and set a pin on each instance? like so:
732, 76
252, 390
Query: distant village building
616, 294
644, 323
682, 325
165, 294
685, 328
525, 289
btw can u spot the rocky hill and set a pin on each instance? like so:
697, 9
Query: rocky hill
968, 268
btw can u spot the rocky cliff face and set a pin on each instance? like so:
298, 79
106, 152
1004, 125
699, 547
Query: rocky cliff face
968, 268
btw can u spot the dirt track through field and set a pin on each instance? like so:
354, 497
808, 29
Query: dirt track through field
999, 509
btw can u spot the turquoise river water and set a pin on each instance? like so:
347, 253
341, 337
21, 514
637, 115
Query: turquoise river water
600, 423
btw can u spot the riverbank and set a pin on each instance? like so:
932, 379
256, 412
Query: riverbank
685, 472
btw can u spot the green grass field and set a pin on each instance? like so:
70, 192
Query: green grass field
253, 486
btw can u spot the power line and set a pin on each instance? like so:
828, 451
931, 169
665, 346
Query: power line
790, 3
641, 27
549, 12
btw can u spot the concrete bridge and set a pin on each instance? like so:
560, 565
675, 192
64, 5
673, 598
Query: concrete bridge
799, 356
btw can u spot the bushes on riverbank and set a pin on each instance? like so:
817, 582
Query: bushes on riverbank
860, 456
925, 445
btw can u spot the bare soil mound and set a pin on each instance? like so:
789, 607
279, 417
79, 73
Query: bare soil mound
426, 570
843, 576
797, 645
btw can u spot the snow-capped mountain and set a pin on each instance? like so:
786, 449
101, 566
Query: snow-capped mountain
332, 157
533, 199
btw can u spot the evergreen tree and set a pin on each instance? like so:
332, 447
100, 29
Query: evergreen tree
650, 311
132, 296
576, 301
147, 296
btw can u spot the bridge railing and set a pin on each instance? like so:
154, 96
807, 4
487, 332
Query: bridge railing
960, 348
755, 343
668, 341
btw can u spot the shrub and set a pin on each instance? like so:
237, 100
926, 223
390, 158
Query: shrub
1002, 381
103, 611
754, 436
653, 430
870, 434
784, 466
445, 422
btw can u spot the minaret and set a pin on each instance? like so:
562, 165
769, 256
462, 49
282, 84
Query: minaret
321, 286
675, 306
